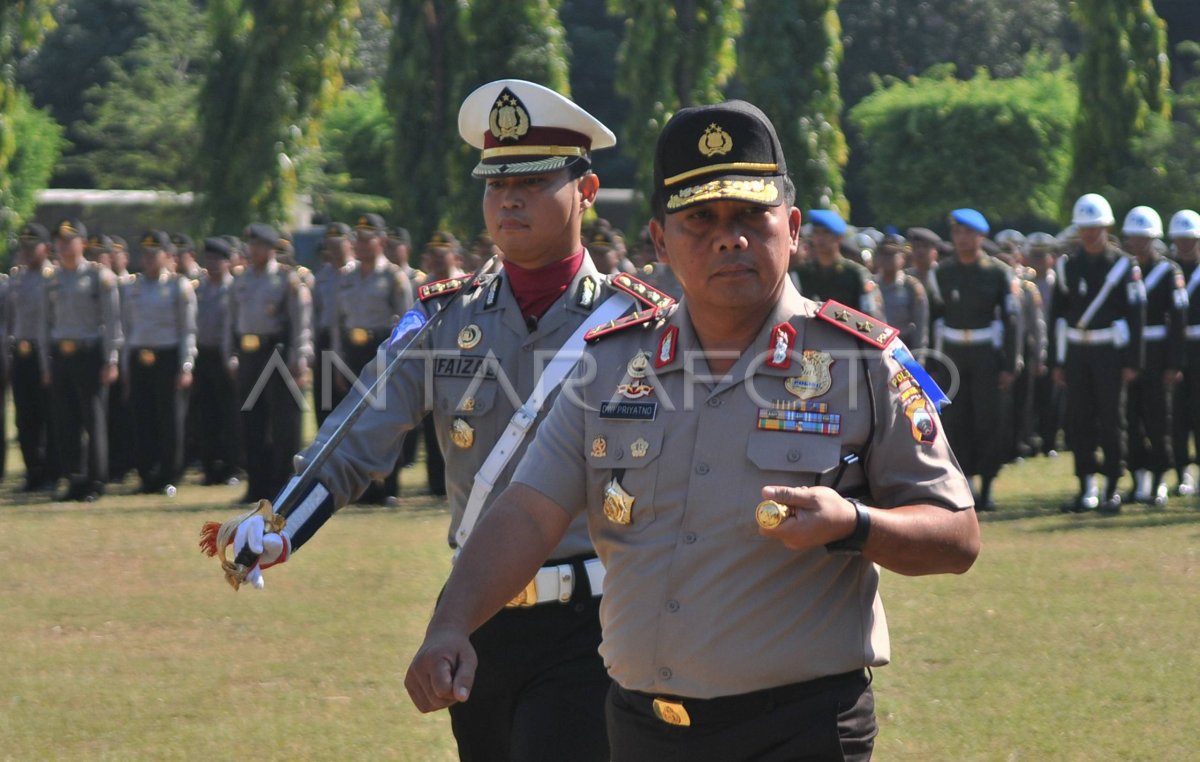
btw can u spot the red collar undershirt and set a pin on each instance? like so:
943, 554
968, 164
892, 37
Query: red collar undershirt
536, 290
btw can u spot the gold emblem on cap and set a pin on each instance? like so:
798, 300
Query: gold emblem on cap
509, 120
599, 446
462, 434
469, 337
639, 448
770, 514
715, 141
618, 504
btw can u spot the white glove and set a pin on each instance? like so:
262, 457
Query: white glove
271, 548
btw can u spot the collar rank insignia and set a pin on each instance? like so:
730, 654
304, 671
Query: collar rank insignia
509, 119
814, 379
587, 293
874, 332
783, 337
666, 347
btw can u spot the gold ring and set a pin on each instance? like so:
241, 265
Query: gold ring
770, 514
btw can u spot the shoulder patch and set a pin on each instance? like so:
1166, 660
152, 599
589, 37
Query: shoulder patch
866, 328
641, 317
442, 287
642, 291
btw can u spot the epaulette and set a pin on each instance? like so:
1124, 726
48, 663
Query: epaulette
442, 287
642, 317
859, 324
642, 291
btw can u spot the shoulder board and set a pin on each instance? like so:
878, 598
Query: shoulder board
641, 317
859, 324
642, 291
442, 287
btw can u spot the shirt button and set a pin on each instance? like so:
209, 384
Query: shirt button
689, 538
620, 453
664, 673
715, 402
702, 469
672, 606
528, 347
793, 455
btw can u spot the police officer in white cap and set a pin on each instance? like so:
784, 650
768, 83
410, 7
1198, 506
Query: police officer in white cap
541, 683
1184, 232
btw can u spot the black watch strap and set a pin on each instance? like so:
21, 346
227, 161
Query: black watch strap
853, 545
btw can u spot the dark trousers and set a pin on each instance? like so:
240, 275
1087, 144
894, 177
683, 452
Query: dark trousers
540, 687
1024, 427
1185, 415
270, 421
34, 430
79, 409
1095, 409
435, 464
322, 346
214, 416
157, 416
122, 451
1148, 408
1049, 406
358, 357
975, 421
832, 718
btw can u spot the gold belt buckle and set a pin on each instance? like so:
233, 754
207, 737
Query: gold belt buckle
671, 712
359, 336
24, 348
251, 343
67, 347
527, 598
147, 357
967, 335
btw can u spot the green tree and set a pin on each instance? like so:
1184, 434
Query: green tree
802, 98
356, 134
274, 66
142, 121
936, 143
1123, 75
424, 89
675, 53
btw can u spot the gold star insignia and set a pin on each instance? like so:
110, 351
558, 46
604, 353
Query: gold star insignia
864, 326
842, 316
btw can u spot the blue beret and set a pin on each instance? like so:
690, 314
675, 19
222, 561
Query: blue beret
827, 218
971, 219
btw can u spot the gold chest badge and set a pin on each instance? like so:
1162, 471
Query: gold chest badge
618, 504
814, 379
470, 336
599, 446
462, 434
639, 448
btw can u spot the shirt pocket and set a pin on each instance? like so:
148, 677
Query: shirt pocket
630, 454
789, 459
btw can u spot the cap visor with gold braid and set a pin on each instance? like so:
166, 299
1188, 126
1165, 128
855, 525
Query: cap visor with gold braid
727, 151
522, 128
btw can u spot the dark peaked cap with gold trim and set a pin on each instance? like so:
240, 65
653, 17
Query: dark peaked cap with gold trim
728, 151
522, 128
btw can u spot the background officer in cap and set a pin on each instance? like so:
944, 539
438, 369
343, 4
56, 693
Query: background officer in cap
272, 349
726, 641
213, 408
159, 316
829, 275
30, 398
368, 301
80, 341
1184, 231
905, 304
337, 256
1149, 403
541, 683
1096, 349
184, 260
978, 330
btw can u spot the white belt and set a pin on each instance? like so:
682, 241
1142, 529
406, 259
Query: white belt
557, 583
1155, 332
970, 335
1096, 336
1193, 331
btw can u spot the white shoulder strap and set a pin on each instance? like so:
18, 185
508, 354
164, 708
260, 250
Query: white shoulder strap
1110, 282
1193, 281
510, 441
1160, 270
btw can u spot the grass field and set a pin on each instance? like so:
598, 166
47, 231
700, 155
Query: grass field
1073, 638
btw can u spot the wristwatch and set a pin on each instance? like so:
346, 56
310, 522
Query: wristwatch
853, 545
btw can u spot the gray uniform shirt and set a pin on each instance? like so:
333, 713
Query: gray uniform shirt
905, 306
160, 314
373, 301
324, 293
25, 301
82, 305
476, 367
696, 602
213, 318
274, 303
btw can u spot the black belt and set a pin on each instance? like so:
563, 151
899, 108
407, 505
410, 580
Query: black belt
675, 710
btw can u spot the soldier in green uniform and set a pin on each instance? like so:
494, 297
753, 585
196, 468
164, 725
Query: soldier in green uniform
30, 398
159, 316
829, 275
80, 341
1184, 231
978, 331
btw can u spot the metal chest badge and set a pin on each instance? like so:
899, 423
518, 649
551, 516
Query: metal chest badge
618, 504
462, 434
469, 337
814, 379
636, 370
599, 446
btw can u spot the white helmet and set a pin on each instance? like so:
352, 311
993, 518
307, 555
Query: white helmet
1142, 221
1092, 210
1185, 224
1010, 240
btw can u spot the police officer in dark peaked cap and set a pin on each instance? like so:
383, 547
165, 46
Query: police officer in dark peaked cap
31, 400
337, 256
214, 402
